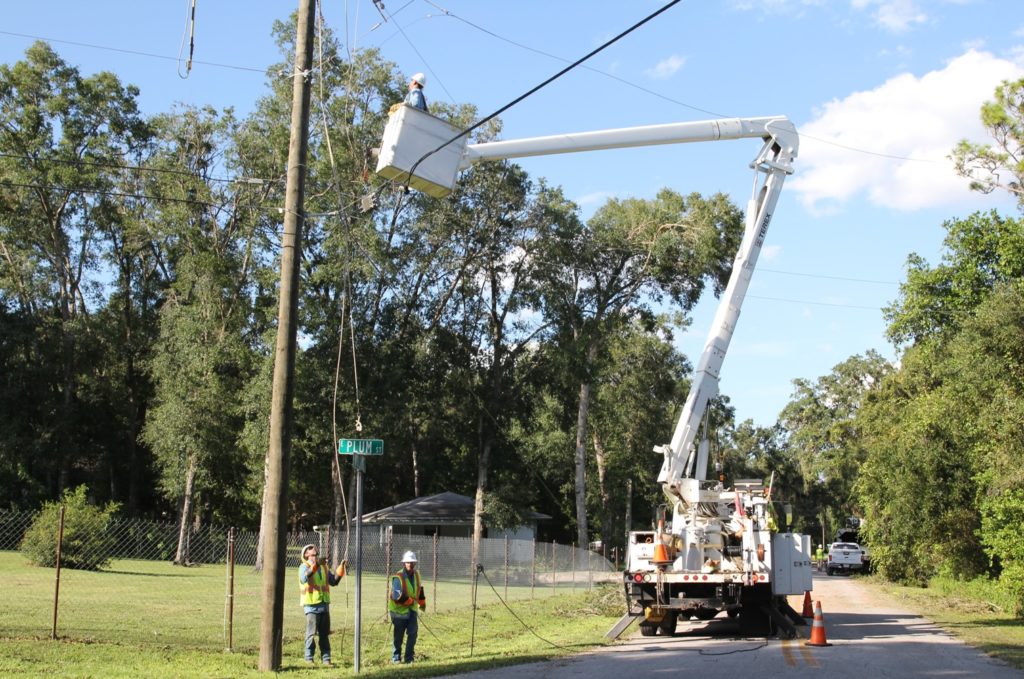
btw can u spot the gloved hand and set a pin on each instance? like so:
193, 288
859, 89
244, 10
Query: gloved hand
423, 607
342, 568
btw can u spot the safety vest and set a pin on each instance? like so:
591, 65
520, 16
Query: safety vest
411, 592
317, 589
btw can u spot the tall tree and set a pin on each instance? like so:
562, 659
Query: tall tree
1001, 166
630, 255
62, 136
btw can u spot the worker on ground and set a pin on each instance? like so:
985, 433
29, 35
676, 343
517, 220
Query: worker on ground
415, 97
405, 593
315, 581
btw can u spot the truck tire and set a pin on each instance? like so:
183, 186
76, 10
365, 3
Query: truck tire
648, 629
754, 622
706, 613
668, 625
829, 572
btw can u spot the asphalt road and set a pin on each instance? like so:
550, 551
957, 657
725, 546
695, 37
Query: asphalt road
870, 635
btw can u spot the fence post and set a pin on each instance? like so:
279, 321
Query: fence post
388, 553
231, 588
590, 571
573, 556
554, 573
506, 566
533, 566
434, 588
56, 587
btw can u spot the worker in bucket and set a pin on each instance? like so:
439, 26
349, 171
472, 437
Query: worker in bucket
405, 594
315, 582
415, 97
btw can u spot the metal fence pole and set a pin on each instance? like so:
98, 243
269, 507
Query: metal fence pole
56, 587
554, 573
533, 567
231, 588
434, 589
573, 557
590, 572
506, 567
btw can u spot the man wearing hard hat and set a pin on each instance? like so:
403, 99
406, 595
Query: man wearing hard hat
315, 581
405, 594
415, 97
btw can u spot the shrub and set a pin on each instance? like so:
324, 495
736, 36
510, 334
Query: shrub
87, 543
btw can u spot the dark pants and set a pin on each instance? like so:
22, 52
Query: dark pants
404, 623
318, 625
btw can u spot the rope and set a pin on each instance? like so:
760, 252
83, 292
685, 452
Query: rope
480, 571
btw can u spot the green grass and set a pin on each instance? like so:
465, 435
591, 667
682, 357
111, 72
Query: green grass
974, 611
144, 618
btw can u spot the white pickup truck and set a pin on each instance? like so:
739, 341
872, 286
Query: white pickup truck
844, 556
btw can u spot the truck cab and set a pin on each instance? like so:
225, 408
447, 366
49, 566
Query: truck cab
844, 556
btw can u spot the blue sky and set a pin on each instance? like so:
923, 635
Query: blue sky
880, 90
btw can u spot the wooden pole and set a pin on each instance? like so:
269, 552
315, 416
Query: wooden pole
56, 586
275, 509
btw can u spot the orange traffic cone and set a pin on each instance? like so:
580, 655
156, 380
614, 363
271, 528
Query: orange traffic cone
660, 554
818, 628
808, 612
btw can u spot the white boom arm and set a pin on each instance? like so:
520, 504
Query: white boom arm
411, 137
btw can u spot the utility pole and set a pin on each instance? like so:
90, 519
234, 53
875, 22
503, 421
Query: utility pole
274, 518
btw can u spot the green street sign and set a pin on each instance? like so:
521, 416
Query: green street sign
360, 447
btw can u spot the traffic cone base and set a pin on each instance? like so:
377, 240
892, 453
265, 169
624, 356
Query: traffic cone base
808, 610
660, 554
818, 628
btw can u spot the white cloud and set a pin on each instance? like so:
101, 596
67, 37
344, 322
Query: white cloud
893, 15
666, 68
771, 252
595, 198
891, 142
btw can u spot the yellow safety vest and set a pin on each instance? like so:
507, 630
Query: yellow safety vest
410, 590
317, 589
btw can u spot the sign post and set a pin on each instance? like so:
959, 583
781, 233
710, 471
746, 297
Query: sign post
359, 449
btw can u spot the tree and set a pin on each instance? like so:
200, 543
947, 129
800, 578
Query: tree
1000, 167
63, 137
201, 359
631, 254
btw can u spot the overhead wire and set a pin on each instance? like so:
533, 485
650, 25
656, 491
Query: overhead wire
423, 59
137, 53
629, 83
142, 168
190, 31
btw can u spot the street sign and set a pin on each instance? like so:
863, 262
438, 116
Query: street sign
360, 447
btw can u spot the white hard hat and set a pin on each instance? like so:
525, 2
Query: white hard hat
420, 79
409, 557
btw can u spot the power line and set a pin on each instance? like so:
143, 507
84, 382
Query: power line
834, 278
801, 301
132, 52
664, 97
117, 194
140, 168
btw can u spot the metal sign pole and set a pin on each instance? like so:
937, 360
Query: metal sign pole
359, 462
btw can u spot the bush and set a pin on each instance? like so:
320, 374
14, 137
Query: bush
87, 543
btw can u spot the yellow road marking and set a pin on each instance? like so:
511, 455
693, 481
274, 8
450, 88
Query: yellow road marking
790, 657
787, 652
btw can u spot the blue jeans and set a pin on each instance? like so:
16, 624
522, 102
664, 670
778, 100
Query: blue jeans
404, 623
318, 625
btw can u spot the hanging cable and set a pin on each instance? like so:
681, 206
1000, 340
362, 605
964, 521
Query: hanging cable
523, 96
190, 30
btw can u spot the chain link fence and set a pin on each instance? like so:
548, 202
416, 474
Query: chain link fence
116, 581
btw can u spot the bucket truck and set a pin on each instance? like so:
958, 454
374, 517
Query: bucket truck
721, 550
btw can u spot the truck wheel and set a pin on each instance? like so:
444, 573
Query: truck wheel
647, 629
668, 625
754, 622
706, 613
829, 572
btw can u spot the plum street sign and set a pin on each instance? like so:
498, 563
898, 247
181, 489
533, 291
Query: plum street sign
360, 447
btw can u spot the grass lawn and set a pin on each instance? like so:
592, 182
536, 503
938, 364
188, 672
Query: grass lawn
151, 619
973, 611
